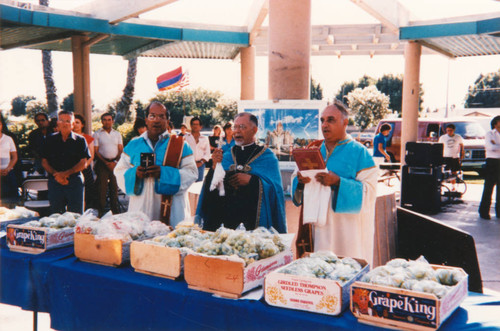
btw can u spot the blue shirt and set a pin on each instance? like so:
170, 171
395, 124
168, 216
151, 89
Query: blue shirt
379, 139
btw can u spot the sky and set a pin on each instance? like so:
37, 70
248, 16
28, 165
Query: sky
444, 81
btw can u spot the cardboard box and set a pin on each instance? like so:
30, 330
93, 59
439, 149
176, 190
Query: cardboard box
111, 252
34, 240
156, 260
404, 309
4, 223
324, 296
229, 278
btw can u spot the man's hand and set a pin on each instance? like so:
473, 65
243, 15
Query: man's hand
111, 165
153, 171
4, 172
239, 179
61, 177
327, 179
141, 172
199, 163
302, 179
216, 157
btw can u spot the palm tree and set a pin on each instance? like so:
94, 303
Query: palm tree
50, 87
123, 107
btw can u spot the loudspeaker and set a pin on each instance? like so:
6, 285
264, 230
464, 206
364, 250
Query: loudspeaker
421, 189
424, 154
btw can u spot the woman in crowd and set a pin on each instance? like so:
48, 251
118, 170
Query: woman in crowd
8, 159
139, 126
228, 141
214, 141
88, 174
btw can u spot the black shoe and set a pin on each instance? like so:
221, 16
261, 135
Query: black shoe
485, 216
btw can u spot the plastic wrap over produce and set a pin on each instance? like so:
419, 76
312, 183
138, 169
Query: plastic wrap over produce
415, 275
234, 245
325, 265
125, 227
56, 222
17, 212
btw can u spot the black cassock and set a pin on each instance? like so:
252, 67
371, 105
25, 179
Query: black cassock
237, 206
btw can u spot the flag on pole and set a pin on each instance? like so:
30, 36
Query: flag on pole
169, 80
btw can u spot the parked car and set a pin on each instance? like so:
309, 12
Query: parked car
365, 138
429, 130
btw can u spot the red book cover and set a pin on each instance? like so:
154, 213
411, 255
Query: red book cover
308, 158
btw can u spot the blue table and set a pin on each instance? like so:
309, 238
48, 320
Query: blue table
86, 296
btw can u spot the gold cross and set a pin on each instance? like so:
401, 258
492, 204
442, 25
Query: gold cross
165, 204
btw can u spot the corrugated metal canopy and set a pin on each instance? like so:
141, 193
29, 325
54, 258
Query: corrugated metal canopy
36, 27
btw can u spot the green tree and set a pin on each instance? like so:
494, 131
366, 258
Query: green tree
368, 105
344, 90
68, 103
19, 104
123, 108
198, 102
48, 77
34, 107
392, 86
226, 110
316, 91
485, 93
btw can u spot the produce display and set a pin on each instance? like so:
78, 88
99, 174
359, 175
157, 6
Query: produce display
414, 275
251, 246
325, 265
56, 222
125, 227
17, 212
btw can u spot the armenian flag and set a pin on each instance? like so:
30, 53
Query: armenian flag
169, 80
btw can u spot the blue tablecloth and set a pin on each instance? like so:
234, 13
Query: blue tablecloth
24, 277
86, 296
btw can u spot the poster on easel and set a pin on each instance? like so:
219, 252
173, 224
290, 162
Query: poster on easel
285, 124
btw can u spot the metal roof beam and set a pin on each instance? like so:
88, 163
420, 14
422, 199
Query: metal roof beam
116, 11
257, 15
389, 12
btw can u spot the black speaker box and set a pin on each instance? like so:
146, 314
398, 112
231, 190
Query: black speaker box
421, 189
424, 154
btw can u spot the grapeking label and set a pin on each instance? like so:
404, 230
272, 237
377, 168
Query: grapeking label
398, 307
26, 237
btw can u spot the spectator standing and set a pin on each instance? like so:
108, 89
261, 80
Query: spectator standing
228, 140
139, 126
214, 141
36, 139
108, 148
453, 151
492, 170
88, 173
380, 144
183, 130
8, 159
64, 156
200, 146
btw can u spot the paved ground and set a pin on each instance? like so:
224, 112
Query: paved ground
463, 216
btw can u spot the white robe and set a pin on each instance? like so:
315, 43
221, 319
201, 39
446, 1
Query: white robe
149, 201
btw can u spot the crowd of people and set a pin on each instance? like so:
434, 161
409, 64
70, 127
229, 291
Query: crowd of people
241, 178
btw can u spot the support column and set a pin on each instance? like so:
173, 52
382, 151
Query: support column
248, 73
289, 49
411, 89
81, 80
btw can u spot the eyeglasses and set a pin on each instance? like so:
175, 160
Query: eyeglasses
240, 127
152, 117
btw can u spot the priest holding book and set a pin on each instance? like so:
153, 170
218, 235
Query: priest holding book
341, 213
244, 184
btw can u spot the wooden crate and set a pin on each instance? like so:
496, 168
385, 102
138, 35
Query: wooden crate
111, 252
156, 260
33, 240
404, 309
324, 296
229, 278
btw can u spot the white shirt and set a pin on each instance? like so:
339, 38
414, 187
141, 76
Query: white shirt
6, 147
108, 142
451, 145
492, 144
201, 149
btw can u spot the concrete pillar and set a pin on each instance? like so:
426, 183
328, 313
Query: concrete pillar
411, 89
248, 73
289, 49
81, 80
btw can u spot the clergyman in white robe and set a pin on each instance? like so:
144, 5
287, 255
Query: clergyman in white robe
350, 222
